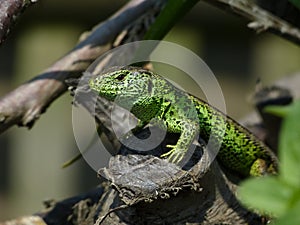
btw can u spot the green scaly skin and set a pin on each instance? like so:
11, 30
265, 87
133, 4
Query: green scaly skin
149, 96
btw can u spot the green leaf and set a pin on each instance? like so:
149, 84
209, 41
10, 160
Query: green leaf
165, 21
289, 147
291, 217
169, 16
266, 194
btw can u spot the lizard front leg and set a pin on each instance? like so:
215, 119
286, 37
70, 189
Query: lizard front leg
188, 132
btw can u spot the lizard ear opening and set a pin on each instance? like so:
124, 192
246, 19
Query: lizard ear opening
121, 77
150, 86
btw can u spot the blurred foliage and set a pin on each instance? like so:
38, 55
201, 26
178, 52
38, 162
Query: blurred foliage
280, 196
296, 3
168, 17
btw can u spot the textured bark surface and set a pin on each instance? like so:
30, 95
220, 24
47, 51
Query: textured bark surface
283, 19
10, 11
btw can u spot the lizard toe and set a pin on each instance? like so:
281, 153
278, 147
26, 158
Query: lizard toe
176, 157
167, 154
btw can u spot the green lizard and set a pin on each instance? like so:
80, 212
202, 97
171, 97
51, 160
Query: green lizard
149, 96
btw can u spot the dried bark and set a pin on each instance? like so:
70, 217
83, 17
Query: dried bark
262, 20
10, 11
143, 189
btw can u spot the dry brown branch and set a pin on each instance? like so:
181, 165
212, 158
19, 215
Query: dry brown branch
26, 220
10, 10
24, 105
261, 20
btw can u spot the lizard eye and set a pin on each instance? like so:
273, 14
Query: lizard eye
121, 77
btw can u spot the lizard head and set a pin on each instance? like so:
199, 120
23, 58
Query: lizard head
129, 85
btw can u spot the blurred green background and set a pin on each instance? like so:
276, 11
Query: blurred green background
30, 161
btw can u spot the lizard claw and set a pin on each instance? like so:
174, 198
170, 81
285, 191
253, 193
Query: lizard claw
174, 155
169, 152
